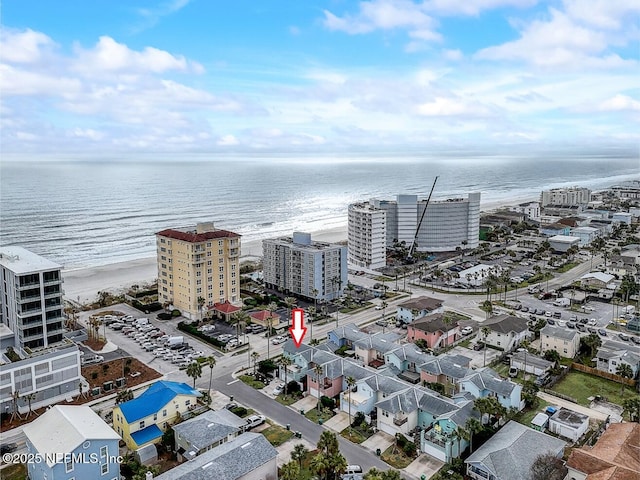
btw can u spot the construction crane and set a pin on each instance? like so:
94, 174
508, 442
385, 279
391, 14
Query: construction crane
415, 237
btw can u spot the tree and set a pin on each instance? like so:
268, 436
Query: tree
625, 371
285, 362
350, 384
240, 319
290, 302
487, 306
124, 396
529, 393
461, 433
375, 474
255, 356
272, 307
482, 406
334, 462
210, 362
552, 356
590, 344
319, 465
473, 426
290, 471
311, 316
298, 453
194, 370
318, 371
485, 333
632, 407
549, 467
15, 396
30, 398
201, 301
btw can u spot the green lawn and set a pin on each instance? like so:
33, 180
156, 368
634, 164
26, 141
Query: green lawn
568, 266
288, 400
355, 435
527, 414
16, 471
395, 457
315, 417
277, 435
252, 382
581, 385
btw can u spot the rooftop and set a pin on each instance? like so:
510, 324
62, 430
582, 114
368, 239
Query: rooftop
569, 417
433, 323
559, 332
603, 277
422, 303
615, 456
192, 236
510, 453
21, 261
229, 461
62, 428
564, 239
209, 428
154, 398
487, 379
506, 323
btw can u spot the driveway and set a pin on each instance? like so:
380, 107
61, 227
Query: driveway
338, 422
379, 440
307, 403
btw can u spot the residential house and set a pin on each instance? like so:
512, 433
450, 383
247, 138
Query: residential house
562, 243
440, 439
596, 280
434, 329
345, 335
405, 361
142, 421
622, 217
447, 370
418, 307
74, 431
485, 382
563, 340
568, 424
506, 332
613, 457
372, 349
200, 434
249, 456
530, 363
585, 234
612, 353
370, 389
300, 361
554, 229
511, 452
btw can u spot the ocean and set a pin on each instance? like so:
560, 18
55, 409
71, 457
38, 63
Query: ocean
89, 213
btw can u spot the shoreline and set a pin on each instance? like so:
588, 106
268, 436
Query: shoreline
83, 284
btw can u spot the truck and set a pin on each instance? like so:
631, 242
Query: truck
562, 302
177, 340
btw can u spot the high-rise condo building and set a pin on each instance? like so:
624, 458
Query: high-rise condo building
37, 362
367, 236
31, 297
198, 268
446, 225
565, 196
303, 267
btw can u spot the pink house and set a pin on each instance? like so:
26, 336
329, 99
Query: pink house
433, 330
328, 383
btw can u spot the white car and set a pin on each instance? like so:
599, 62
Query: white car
278, 390
378, 307
278, 340
466, 331
593, 322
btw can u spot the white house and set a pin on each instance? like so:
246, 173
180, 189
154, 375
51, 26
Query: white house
506, 332
611, 354
597, 280
418, 307
529, 363
568, 424
585, 234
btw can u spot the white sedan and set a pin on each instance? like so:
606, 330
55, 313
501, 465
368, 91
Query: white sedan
278, 340
466, 331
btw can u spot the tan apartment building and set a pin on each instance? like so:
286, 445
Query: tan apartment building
201, 263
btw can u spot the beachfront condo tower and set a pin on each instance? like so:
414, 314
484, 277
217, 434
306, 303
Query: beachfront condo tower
446, 225
31, 297
38, 365
198, 268
367, 236
300, 266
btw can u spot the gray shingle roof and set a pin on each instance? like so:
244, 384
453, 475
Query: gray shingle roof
506, 324
228, 461
405, 401
422, 303
209, 428
444, 365
379, 342
487, 379
350, 332
531, 359
559, 332
510, 453
411, 353
433, 323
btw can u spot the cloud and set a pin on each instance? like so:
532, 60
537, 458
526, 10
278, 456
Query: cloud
24, 47
453, 55
473, 7
386, 15
227, 140
111, 56
448, 107
528, 97
604, 14
620, 103
149, 17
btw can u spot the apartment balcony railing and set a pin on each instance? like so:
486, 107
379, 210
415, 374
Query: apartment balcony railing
56, 281
431, 436
30, 324
31, 336
27, 285
49, 308
30, 298
29, 312
54, 331
52, 294
57, 318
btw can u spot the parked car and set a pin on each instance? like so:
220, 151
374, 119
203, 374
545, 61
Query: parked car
551, 321
525, 309
592, 330
580, 327
378, 307
466, 331
623, 337
602, 332
542, 379
278, 390
478, 346
593, 322
94, 359
254, 421
571, 325
635, 340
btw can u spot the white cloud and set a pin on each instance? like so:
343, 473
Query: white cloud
473, 7
453, 55
447, 107
89, 133
605, 14
620, 103
18, 81
111, 56
227, 140
149, 17
24, 46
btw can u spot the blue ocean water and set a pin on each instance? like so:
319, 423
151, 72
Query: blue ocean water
88, 213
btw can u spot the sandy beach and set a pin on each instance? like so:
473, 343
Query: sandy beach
83, 285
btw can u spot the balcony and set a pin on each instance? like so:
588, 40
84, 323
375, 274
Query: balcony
27, 285
435, 438
31, 336
57, 318
399, 421
55, 281
49, 308
30, 298
54, 331
29, 312
48, 295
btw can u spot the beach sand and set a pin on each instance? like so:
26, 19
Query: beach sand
83, 285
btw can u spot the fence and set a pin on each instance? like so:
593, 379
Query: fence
599, 373
560, 395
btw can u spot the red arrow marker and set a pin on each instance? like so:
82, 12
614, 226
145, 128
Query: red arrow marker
298, 330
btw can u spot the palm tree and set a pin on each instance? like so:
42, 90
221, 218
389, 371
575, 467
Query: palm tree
255, 356
289, 471
240, 319
201, 301
285, 362
30, 398
311, 316
194, 370
482, 406
318, 371
211, 362
473, 426
632, 407
298, 453
272, 307
350, 384
625, 371
290, 302
461, 433
384, 306
124, 396
485, 332
319, 465
15, 396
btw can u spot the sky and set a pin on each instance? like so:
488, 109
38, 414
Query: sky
99, 76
